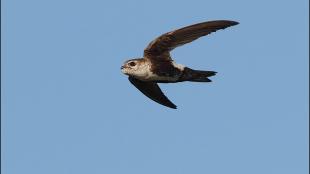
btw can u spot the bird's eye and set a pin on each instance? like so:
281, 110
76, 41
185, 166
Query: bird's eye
132, 64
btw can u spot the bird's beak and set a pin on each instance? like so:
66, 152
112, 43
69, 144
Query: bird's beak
122, 67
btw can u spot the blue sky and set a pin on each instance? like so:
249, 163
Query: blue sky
67, 108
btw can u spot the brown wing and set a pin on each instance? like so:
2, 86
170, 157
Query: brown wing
161, 46
152, 91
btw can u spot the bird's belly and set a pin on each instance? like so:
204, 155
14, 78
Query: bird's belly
156, 78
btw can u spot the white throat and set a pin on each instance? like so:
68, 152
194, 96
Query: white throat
143, 71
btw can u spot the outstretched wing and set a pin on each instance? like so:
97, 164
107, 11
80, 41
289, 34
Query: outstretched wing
152, 91
161, 46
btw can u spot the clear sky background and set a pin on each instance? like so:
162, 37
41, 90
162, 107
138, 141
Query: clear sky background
67, 108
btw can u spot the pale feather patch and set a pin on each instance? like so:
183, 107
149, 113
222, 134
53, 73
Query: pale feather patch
143, 72
154, 77
179, 66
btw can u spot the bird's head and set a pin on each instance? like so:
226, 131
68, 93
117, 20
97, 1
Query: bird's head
133, 67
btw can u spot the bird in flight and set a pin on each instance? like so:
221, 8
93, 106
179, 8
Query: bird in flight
157, 66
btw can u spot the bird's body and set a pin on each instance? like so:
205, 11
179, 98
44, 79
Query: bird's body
158, 67
164, 72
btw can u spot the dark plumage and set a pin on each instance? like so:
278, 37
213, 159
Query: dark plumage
157, 65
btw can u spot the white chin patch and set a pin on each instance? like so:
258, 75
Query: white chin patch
125, 71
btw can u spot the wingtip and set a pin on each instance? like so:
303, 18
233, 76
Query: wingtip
224, 23
234, 23
229, 22
172, 106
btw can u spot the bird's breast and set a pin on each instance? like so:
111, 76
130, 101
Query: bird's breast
160, 72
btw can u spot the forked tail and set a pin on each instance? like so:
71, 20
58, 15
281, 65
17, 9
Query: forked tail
196, 75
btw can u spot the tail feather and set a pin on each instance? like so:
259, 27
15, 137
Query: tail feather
197, 75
